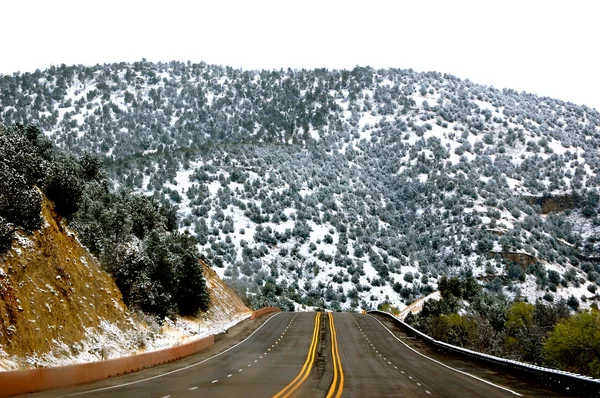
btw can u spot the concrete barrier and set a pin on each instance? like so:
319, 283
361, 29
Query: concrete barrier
32, 380
262, 311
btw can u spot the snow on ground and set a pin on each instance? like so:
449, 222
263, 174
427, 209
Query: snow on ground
186, 330
484, 105
531, 292
417, 306
112, 342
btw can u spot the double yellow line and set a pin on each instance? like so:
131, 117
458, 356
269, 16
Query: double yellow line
337, 386
310, 359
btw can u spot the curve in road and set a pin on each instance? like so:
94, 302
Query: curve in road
301, 355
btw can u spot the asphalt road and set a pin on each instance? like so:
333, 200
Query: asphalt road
309, 355
258, 367
377, 364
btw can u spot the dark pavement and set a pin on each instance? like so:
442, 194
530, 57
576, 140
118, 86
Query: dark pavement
290, 354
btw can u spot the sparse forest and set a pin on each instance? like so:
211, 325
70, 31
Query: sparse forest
342, 189
155, 266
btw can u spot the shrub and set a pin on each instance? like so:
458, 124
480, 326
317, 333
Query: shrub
574, 344
549, 297
6, 235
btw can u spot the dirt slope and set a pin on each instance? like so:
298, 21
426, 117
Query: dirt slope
53, 293
224, 302
57, 306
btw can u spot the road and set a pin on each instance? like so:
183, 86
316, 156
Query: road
377, 364
310, 355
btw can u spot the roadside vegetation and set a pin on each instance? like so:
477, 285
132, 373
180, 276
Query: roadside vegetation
135, 237
546, 334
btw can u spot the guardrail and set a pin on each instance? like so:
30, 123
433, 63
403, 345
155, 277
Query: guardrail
26, 381
263, 311
573, 383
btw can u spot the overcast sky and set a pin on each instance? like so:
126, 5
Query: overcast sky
543, 47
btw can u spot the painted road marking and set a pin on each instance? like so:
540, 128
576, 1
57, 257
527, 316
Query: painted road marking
446, 366
335, 388
310, 359
180, 369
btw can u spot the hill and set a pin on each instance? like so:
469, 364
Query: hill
58, 306
341, 188
55, 298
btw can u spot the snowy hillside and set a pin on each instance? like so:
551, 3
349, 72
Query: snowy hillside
342, 189
59, 307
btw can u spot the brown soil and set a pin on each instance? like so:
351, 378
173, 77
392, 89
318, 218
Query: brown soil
549, 204
51, 289
523, 259
224, 302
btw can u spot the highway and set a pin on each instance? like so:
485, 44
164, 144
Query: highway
329, 355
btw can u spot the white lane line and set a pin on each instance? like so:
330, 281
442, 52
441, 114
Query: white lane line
214, 381
256, 360
446, 366
167, 396
419, 384
427, 391
176, 370
240, 370
192, 388
260, 357
229, 375
249, 365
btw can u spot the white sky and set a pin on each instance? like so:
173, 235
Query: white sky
543, 47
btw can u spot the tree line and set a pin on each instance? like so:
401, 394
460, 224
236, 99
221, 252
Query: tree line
545, 334
135, 237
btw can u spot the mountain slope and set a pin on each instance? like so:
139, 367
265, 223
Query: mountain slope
57, 305
342, 188
225, 304
54, 296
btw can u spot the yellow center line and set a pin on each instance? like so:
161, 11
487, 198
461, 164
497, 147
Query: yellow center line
337, 363
297, 382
